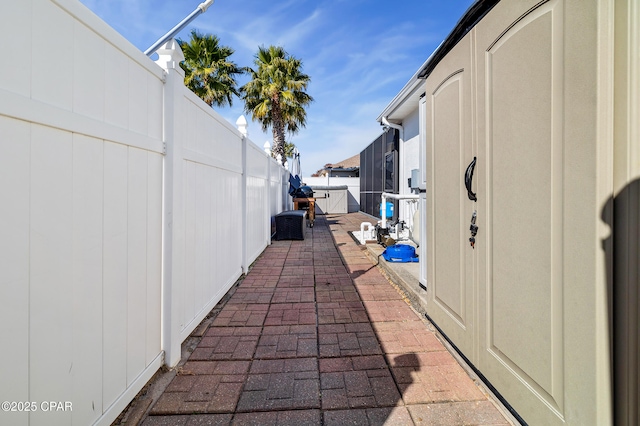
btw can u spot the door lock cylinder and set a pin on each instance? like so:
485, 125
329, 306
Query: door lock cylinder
474, 229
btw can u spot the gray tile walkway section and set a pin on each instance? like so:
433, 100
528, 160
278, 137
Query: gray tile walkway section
315, 334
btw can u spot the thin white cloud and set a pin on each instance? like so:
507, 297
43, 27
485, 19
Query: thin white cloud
298, 34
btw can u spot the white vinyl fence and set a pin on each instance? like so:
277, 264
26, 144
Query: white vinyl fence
216, 203
128, 208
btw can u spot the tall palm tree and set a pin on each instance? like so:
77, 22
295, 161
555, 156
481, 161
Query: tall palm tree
208, 71
275, 96
289, 147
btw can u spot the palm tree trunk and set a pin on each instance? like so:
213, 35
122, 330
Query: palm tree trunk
278, 129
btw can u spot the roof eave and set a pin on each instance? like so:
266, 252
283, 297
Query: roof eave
405, 93
469, 19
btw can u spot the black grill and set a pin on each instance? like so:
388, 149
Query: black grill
303, 192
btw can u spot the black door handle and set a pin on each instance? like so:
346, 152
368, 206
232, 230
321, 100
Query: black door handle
468, 179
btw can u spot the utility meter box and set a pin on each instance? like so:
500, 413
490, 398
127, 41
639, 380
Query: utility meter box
414, 182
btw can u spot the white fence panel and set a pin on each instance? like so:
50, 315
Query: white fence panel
279, 187
87, 255
15, 170
212, 233
210, 176
258, 223
50, 270
81, 216
217, 205
85, 187
115, 273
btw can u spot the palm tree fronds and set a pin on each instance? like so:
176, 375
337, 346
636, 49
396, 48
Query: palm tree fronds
275, 96
208, 71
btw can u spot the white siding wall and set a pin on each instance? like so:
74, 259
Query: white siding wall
409, 160
82, 119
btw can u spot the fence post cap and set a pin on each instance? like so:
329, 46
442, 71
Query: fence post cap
241, 123
170, 55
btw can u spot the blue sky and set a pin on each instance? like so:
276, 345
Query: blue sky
358, 53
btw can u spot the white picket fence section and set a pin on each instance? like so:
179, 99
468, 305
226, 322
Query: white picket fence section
128, 207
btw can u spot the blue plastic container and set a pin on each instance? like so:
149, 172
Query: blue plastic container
401, 253
388, 211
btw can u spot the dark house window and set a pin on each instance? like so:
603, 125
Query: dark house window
390, 173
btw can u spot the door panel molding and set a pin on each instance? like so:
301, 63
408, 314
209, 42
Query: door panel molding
446, 101
450, 267
524, 107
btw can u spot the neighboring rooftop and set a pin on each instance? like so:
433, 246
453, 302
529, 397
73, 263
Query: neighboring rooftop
351, 164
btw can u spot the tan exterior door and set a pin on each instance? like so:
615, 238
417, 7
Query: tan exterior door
525, 305
451, 283
522, 255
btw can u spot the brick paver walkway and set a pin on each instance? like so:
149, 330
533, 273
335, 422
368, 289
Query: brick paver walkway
316, 335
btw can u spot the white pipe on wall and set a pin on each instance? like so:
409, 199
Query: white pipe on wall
383, 200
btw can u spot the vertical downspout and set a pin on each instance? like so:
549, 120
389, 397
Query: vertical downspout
393, 126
